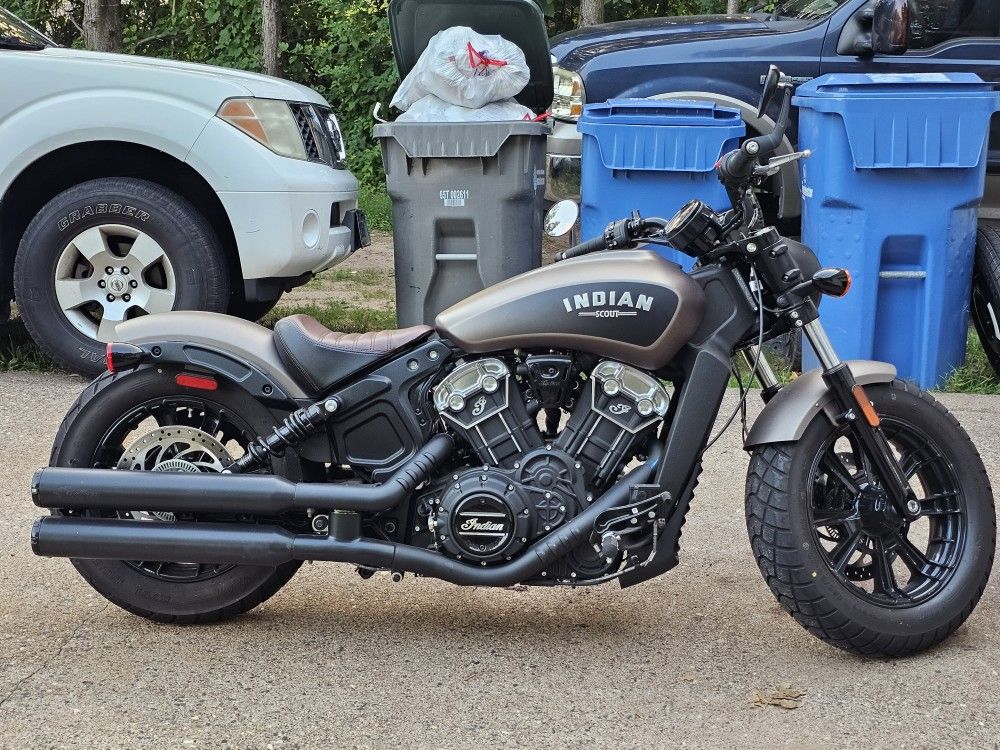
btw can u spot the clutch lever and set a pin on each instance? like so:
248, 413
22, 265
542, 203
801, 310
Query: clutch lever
774, 165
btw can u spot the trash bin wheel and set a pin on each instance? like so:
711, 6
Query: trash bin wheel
985, 305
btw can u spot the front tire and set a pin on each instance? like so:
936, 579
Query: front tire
846, 569
109, 250
116, 411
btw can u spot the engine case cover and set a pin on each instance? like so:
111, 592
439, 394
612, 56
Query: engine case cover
633, 306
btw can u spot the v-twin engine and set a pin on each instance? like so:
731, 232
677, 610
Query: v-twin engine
617, 408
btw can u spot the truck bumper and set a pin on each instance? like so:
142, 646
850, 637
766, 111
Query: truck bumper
288, 234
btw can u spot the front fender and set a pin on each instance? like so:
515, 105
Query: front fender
796, 405
232, 348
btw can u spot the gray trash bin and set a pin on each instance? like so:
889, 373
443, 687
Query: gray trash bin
468, 197
467, 204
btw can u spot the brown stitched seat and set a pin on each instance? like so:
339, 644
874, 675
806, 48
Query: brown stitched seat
319, 358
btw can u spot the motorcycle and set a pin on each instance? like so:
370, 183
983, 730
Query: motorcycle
549, 430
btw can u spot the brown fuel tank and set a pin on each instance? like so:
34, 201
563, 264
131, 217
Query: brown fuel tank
632, 306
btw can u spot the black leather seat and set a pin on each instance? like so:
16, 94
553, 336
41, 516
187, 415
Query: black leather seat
319, 358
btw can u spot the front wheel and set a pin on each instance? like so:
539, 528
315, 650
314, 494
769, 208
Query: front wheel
839, 558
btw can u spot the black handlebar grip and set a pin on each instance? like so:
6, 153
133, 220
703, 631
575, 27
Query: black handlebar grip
590, 246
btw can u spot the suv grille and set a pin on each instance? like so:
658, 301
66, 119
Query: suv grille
320, 133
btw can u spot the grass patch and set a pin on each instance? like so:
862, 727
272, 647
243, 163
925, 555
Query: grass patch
364, 277
337, 317
18, 351
377, 205
976, 376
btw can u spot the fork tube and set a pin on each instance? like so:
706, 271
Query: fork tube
763, 372
821, 344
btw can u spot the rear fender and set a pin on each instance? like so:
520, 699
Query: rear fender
230, 348
796, 405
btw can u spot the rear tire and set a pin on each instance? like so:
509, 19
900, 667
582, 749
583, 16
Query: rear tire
782, 487
79, 443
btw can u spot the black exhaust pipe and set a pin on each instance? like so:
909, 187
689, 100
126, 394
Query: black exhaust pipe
114, 539
109, 489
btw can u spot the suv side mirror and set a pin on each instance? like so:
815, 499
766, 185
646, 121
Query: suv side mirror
891, 27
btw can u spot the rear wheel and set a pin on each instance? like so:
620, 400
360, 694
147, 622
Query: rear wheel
144, 421
839, 558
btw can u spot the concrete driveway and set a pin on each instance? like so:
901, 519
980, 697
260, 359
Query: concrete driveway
337, 662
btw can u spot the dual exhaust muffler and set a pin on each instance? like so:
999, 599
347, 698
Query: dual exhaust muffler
271, 545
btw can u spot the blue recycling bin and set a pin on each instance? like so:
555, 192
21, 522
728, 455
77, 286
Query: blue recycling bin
892, 193
652, 155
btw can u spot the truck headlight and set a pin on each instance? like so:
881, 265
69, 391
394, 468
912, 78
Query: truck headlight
569, 95
270, 122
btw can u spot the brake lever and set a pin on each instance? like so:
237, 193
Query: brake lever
774, 165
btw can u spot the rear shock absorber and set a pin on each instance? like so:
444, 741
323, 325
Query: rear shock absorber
295, 428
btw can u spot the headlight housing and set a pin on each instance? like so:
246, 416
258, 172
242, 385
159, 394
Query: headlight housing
294, 129
270, 122
569, 94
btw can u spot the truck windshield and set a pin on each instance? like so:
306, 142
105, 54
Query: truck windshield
807, 10
16, 34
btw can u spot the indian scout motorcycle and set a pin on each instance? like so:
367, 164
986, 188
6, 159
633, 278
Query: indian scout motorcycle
548, 430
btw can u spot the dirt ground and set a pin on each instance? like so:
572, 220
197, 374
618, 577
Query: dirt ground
334, 662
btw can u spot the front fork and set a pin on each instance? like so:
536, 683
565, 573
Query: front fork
856, 411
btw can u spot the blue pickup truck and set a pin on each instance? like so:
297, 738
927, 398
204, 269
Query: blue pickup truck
722, 59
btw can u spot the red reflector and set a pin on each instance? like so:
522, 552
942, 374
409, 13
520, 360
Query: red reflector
201, 382
108, 358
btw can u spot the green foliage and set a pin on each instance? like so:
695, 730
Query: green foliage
376, 204
976, 375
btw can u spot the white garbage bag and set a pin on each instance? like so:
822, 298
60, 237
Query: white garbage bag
432, 109
463, 67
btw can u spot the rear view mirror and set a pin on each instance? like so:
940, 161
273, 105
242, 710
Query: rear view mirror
891, 27
561, 218
771, 81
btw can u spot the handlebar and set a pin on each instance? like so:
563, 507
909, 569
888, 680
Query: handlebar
618, 235
593, 245
737, 167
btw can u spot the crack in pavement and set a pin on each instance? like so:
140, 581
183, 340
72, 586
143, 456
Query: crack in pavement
45, 663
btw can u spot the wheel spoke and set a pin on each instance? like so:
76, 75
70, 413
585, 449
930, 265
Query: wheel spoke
933, 505
106, 331
145, 251
885, 578
93, 245
915, 560
835, 468
844, 550
156, 301
72, 293
832, 517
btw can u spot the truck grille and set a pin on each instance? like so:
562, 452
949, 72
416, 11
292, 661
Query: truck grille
320, 133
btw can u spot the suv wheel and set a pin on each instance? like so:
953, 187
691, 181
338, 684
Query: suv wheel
109, 250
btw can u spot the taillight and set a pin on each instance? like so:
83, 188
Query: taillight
119, 356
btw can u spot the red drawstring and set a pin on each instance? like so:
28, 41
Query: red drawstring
480, 60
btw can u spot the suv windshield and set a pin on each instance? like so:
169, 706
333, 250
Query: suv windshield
16, 34
807, 10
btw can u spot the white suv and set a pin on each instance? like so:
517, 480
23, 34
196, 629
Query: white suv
131, 186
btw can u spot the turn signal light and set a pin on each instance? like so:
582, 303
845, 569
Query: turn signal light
833, 282
119, 356
866, 406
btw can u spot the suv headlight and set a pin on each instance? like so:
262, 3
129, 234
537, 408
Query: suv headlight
269, 122
569, 95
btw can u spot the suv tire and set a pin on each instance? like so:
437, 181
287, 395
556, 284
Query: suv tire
108, 250
985, 304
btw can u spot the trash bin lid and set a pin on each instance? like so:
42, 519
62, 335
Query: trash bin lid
413, 22
662, 112
907, 120
891, 85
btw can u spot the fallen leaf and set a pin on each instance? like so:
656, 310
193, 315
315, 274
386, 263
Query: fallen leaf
785, 697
